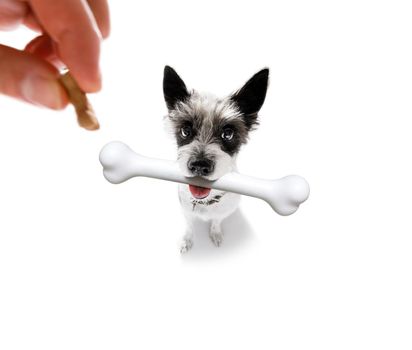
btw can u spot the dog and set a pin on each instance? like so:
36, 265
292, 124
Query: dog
209, 133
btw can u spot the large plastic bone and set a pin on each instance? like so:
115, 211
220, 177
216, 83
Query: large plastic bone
284, 195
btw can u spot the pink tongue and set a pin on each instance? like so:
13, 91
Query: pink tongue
199, 192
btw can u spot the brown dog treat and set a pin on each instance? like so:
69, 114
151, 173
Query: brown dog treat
85, 114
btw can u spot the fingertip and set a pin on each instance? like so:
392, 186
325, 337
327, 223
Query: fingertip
105, 32
26, 77
44, 91
85, 66
41, 46
101, 13
89, 83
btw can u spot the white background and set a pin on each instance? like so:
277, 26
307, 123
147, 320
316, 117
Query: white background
88, 265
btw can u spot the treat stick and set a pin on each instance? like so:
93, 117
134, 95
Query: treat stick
84, 111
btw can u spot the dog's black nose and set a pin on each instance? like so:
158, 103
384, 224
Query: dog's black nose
201, 167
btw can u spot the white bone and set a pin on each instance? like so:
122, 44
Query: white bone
284, 195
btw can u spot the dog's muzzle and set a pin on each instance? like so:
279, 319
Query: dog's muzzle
201, 167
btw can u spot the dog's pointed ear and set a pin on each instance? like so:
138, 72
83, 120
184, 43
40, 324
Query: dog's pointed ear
250, 98
174, 88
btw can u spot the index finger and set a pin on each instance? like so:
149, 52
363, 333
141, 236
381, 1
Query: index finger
71, 24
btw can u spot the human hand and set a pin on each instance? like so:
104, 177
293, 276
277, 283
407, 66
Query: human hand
71, 32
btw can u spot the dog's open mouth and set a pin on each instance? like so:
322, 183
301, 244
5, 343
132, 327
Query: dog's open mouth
199, 192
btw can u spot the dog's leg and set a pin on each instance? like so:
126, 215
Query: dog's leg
187, 241
215, 233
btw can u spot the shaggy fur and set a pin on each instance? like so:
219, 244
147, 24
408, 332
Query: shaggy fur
209, 133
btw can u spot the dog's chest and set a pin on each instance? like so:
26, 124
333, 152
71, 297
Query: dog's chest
218, 204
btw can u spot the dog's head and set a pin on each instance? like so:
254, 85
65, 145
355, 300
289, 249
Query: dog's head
210, 131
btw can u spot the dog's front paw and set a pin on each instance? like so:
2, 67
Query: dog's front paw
216, 238
186, 245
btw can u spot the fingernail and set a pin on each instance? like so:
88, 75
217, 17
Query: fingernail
94, 81
43, 92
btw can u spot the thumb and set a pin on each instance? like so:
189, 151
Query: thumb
44, 48
31, 79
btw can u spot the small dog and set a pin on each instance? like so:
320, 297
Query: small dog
209, 132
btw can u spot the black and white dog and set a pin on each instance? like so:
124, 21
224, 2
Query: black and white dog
210, 132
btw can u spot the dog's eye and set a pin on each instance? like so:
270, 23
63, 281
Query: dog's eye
227, 134
186, 131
